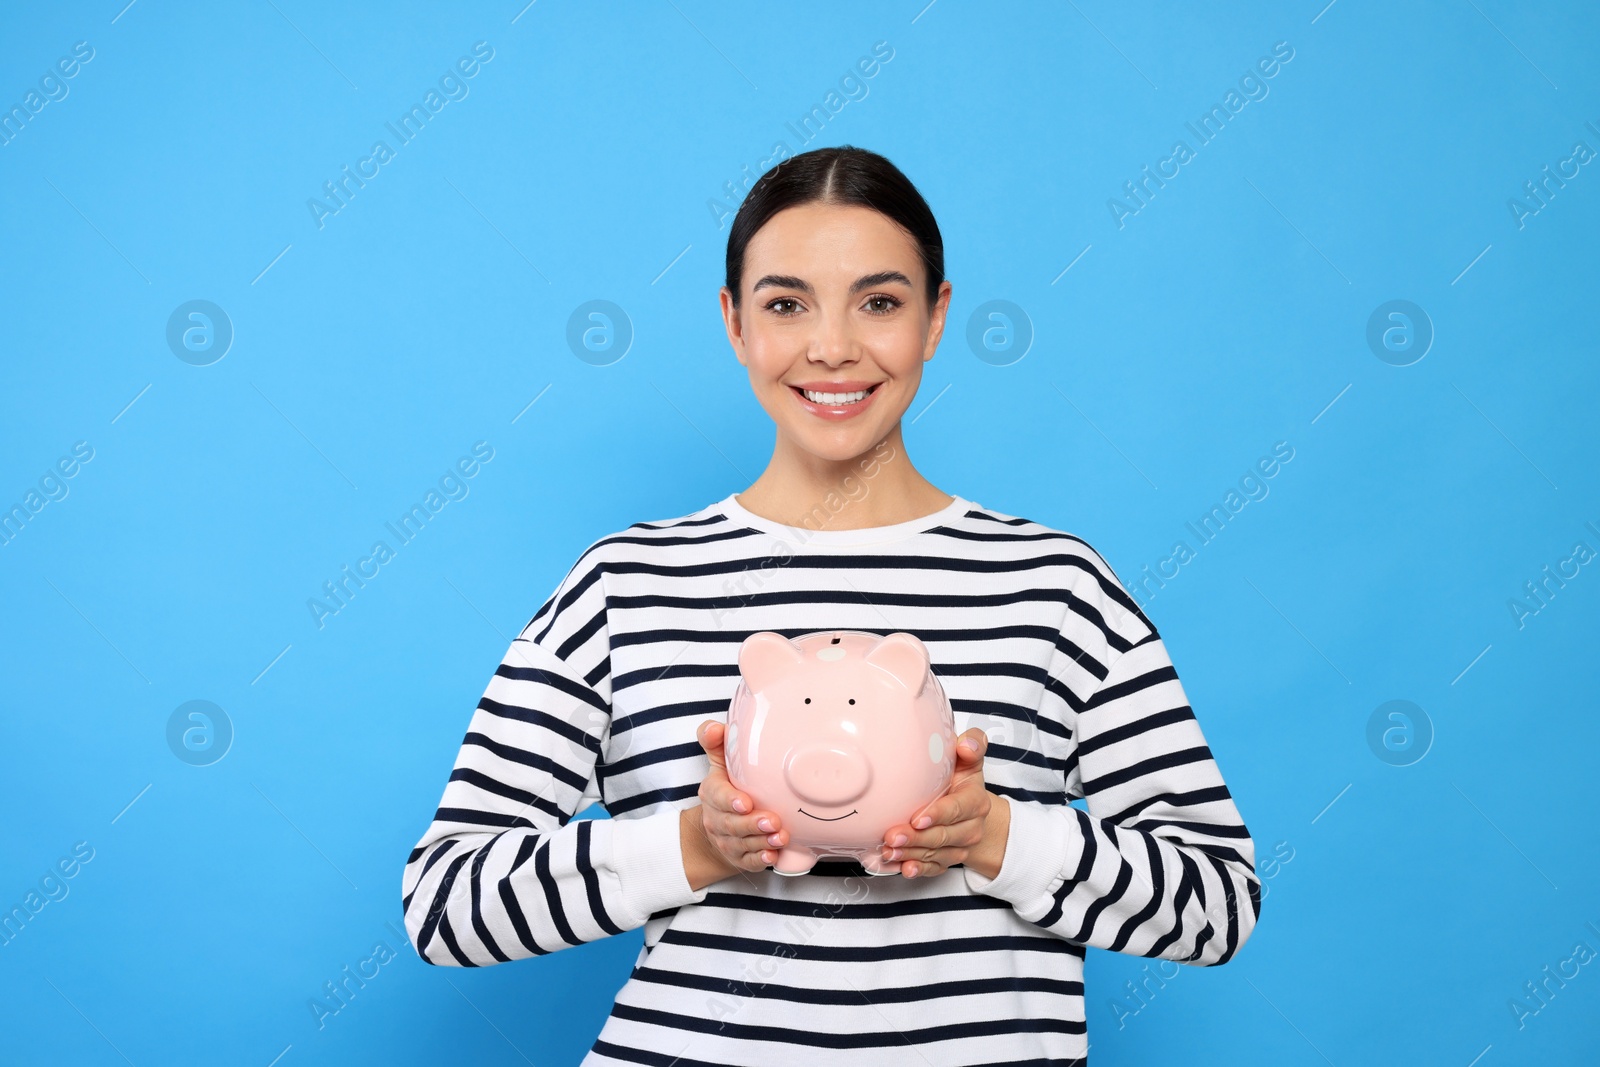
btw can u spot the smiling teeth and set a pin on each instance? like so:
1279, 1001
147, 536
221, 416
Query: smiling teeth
835, 398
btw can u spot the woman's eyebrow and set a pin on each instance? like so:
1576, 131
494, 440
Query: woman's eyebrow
866, 281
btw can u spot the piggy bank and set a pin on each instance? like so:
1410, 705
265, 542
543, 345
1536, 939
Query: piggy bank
843, 734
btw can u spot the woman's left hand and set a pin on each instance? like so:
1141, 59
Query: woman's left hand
967, 825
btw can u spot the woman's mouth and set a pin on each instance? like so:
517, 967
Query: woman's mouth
835, 405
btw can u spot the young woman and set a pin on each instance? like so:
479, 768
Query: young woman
618, 688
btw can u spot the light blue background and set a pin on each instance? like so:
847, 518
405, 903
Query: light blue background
369, 354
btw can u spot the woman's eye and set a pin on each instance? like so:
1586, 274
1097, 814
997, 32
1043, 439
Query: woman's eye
890, 301
773, 307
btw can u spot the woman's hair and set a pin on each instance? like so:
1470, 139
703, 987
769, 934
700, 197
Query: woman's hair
842, 175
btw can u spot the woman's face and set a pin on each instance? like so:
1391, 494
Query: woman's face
834, 305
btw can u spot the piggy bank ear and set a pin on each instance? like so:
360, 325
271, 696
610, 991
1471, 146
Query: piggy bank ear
904, 657
766, 657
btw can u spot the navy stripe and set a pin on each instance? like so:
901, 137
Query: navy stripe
1159, 762
966, 987
440, 896
654, 797
867, 1039
868, 952
530, 759
591, 881
882, 909
1158, 877
552, 893
479, 927
511, 903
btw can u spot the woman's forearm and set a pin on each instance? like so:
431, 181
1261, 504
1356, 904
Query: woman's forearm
987, 855
702, 863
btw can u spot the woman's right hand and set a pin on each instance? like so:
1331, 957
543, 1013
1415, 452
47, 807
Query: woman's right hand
745, 839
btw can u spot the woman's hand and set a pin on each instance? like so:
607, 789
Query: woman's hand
967, 825
738, 837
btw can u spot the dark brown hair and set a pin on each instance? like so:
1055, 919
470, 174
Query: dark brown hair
842, 175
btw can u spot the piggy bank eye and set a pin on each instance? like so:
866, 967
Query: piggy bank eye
852, 700
808, 700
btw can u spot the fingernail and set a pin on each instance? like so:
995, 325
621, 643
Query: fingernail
968, 744
740, 806
894, 853
766, 825
923, 823
773, 840
899, 839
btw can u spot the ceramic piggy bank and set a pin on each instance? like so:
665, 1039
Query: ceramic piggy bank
842, 734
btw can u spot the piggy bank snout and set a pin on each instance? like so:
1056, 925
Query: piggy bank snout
828, 775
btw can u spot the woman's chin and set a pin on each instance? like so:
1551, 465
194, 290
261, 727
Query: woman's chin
838, 446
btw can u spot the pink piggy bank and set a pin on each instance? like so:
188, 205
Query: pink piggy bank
843, 734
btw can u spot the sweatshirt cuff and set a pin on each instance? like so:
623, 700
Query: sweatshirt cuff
1038, 844
647, 855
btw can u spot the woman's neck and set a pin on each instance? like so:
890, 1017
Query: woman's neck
878, 488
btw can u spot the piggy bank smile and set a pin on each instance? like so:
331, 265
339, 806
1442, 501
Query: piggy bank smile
836, 818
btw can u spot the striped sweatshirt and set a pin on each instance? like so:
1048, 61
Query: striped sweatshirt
1034, 639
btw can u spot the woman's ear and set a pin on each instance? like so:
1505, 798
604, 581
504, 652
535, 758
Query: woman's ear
731, 323
941, 308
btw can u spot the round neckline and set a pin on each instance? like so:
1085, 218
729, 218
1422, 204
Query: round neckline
863, 535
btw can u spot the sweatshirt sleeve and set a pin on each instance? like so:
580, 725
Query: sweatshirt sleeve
504, 872
1161, 864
